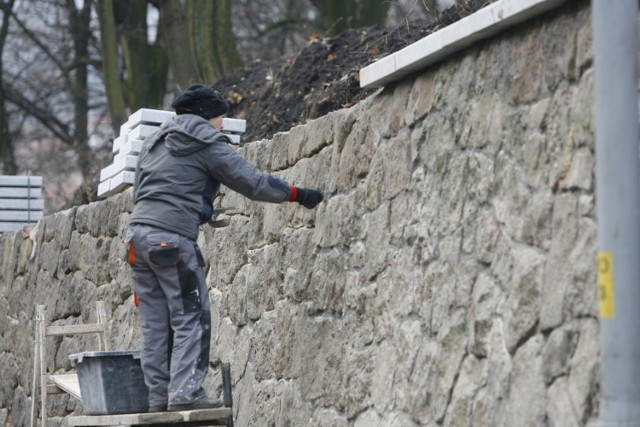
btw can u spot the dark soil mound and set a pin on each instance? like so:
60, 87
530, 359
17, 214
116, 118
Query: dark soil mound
274, 96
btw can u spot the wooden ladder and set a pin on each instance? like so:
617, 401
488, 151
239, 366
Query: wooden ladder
60, 383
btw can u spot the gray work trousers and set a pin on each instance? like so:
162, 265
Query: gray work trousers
175, 317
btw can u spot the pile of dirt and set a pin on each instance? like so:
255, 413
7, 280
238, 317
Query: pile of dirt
273, 96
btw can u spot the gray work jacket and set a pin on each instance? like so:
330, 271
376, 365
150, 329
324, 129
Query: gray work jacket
180, 169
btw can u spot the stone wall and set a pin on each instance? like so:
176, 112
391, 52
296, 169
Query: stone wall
447, 280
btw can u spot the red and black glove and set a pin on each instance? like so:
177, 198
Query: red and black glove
306, 197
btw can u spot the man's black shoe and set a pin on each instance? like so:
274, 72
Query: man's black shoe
204, 403
158, 408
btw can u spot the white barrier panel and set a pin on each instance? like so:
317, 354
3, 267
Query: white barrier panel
20, 202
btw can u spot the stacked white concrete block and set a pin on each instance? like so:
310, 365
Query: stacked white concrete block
20, 201
126, 147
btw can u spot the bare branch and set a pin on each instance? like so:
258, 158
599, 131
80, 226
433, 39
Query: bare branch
43, 116
44, 48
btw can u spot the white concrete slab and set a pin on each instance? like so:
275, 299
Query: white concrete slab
483, 24
20, 181
141, 131
234, 138
22, 204
26, 216
106, 173
121, 181
104, 188
130, 147
119, 142
20, 193
430, 48
116, 184
68, 383
378, 73
127, 162
124, 128
234, 125
149, 116
118, 158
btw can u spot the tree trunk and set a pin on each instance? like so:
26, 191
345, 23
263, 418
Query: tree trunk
200, 22
194, 39
110, 66
146, 64
80, 21
174, 34
7, 159
214, 46
225, 38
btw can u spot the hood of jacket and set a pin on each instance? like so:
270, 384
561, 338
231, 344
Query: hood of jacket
186, 134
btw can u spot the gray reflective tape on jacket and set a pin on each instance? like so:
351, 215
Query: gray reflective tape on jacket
180, 169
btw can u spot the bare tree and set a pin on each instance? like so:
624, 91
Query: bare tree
110, 61
52, 53
6, 144
79, 23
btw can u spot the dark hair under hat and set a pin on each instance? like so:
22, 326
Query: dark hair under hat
203, 101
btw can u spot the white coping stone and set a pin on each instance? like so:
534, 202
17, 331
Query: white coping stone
106, 172
234, 138
119, 157
119, 142
373, 74
150, 119
104, 187
32, 216
22, 204
149, 116
141, 131
122, 180
130, 147
435, 47
124, 163
116, 184
124, 128
20, 181
234, 125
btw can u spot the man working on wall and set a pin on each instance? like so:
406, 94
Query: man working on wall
179, 171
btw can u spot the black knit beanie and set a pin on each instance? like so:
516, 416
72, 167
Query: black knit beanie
202, 101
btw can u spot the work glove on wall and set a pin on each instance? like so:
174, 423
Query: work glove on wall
307, 197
